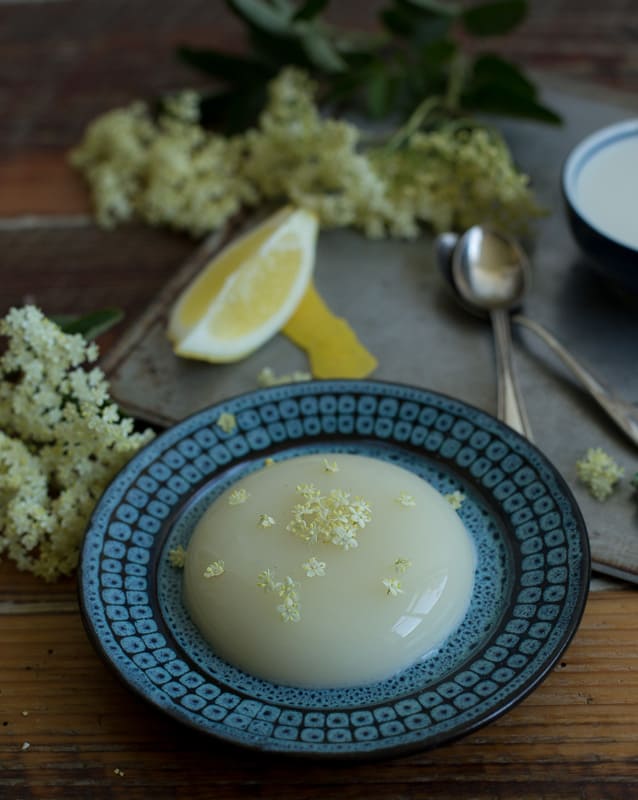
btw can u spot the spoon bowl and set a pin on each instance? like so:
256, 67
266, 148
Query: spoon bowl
489, 269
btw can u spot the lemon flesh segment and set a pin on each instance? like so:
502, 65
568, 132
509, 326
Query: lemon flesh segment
194, 301
253, 300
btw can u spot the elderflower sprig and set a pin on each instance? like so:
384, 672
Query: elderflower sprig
62, 440
335, 518
599, 472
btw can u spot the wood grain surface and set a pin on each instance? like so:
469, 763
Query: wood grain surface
68, 729
575, 736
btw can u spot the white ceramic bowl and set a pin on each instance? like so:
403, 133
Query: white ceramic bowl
600, 190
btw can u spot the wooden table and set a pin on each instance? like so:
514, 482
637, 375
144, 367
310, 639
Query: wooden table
69, 729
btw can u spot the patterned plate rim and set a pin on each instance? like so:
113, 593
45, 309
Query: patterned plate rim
543, 526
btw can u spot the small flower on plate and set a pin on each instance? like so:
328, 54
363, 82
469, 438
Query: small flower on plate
266, 581
237, 497
177, 556
227, 422
455, 499
392, 586
405, 499
214, 569
314, 568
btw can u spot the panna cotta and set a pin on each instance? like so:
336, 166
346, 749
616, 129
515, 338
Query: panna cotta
328, 571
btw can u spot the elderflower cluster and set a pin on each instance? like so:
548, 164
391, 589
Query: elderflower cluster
335, 518
168, 170
452, 178
61, 442
287, 590
599, 472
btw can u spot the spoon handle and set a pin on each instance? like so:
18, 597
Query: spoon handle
624, 414
510, 407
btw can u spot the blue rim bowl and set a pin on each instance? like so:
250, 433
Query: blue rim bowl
613, 259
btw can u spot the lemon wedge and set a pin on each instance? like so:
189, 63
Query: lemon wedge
248, 292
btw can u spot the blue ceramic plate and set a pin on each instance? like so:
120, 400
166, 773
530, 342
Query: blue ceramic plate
531, 583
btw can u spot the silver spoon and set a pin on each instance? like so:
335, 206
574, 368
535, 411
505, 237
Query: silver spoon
491, 272
621, 412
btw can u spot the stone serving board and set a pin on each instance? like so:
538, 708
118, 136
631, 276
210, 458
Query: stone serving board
392, 294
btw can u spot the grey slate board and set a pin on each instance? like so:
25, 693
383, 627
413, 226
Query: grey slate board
392, 294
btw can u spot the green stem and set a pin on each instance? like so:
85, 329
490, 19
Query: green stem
414, 122
456, 80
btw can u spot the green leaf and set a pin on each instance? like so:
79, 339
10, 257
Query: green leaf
437, 7
345, 86
493, 99
278, 51
310, 9
497, 86
228, 67
437, 54
379, 93
262, 15
490, 69
90, 325
321, 52
494, 19
415, 24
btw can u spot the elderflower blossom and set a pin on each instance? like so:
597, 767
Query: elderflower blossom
266, 521
402, 564
289, 610
599, 472
335, 518
315, 162
455, 499
266, 581
168, 170
237, 497
452, 178
287, 591
314, 568
405, 499
61, 442
215, 569
177, 557
267, 377
227, 422
392, 586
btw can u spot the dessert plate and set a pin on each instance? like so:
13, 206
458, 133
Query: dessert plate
531, 582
